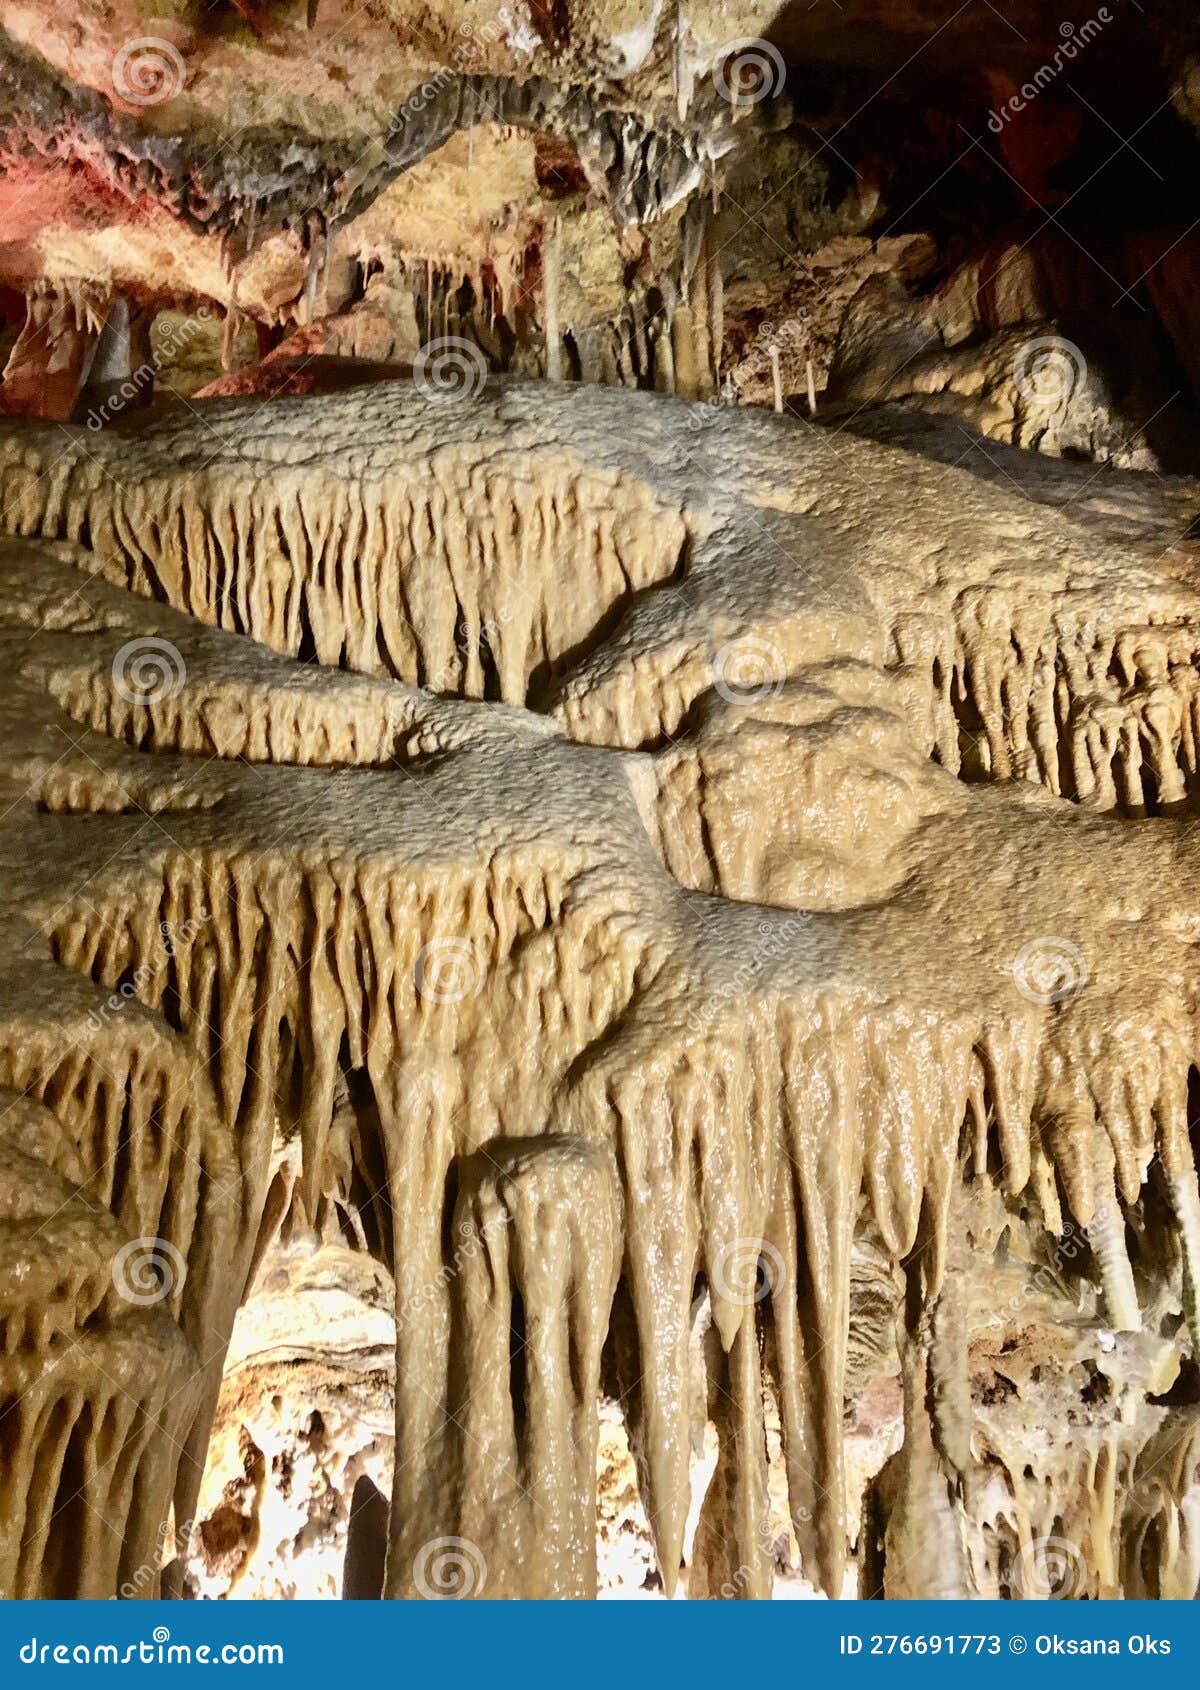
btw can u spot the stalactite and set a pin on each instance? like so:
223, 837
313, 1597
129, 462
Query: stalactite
1106, 1234
664, 353
534, 1228
393, 581
716, 303
551, 285
731, 1558
314, 264
686, 378
776, 378
229, 326
704, 352
681, 74
677, 1058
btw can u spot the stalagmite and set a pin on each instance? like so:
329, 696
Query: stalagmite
664, 352
923, 1555
731, 1557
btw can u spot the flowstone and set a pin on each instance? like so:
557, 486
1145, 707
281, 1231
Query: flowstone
707, 906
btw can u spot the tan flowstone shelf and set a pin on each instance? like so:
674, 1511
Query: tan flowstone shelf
673, 881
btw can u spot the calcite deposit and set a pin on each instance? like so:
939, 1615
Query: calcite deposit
599, 760
827, 886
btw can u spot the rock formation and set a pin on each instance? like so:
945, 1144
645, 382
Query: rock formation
597, 989
590, 1060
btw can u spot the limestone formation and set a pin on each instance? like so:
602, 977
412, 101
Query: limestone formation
579, 912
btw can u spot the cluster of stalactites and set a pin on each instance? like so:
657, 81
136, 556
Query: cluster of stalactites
283, 982
1095, 710
447, 580
98, 1384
